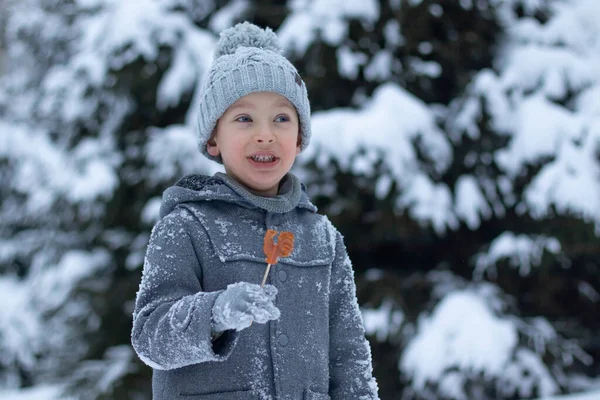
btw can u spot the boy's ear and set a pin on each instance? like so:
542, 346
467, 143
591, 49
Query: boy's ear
299, 142
212, 148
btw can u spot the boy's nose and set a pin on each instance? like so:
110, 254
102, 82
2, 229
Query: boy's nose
264, 135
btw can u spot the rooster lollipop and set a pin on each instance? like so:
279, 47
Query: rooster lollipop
283, 248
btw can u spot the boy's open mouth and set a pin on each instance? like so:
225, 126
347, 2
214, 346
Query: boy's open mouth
264, 158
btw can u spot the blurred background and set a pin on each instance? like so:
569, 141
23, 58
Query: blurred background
456, 146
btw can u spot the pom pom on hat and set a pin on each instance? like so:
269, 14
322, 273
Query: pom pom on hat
246, 35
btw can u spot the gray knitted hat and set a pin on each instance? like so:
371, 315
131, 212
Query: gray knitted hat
248, 59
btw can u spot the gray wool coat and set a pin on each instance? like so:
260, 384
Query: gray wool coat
210, 235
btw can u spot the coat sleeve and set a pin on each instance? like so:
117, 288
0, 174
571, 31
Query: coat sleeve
172, 316
351, 371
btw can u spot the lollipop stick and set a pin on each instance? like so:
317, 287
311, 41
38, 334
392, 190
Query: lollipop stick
266, 274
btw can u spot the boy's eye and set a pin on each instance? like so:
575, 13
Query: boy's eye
282, 118
243, 118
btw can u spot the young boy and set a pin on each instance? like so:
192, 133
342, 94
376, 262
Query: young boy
202, 320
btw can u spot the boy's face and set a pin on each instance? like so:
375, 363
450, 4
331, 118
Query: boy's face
257, 139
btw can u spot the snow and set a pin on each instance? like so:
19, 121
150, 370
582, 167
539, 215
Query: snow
461, 332
553, 59
45, 171
182, 157
393, 119
382, 322
349, 62
381, 66
179, 79
16, 341
226, 16
593, 395
45, 392
588, 291
124, 30
327, 18
528, 99
44, 291
523, 252
467, 337
569, 183
392, 33
470, 202
538, 137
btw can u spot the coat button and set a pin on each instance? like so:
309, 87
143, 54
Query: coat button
283, 340
282, 275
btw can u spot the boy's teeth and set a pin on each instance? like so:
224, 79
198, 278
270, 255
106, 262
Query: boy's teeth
263, 158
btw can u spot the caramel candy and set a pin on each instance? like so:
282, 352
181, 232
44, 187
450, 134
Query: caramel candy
283, 248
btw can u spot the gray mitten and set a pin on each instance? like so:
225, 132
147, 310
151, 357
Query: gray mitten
241, 303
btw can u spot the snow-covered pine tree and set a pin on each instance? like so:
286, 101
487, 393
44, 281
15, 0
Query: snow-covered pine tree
524, 144
94, 124
531, 181
378, 163
408, 203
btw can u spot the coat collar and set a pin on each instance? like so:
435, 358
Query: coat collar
196, 187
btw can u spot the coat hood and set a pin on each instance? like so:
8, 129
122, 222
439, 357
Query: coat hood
221, 187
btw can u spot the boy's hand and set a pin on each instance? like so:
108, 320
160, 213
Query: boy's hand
241, 303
